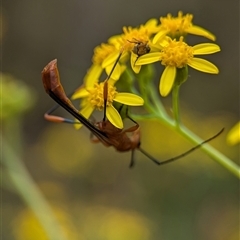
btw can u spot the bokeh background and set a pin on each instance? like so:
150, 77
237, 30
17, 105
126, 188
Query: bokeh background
90, 188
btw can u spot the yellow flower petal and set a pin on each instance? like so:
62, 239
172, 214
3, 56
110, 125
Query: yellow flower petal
203, 65
233, 136
167, 80
151, 22
116, 72
148, 58
133, 60
111, 81
159, 36
115, 41
110, 59
114, 117
200, 32
156, 48
77, 125
86, 111
129, 99
80, 93
92, 75
114, 78
152, 25
84, 102
205, 48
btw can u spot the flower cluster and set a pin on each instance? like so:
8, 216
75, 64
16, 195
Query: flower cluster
163, 41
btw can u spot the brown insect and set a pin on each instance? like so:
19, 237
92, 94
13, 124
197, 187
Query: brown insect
103, 131
140, 48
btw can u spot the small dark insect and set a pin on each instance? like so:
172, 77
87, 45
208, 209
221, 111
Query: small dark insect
104, 131
140, 48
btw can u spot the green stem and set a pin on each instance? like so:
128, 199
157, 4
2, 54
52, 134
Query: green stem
154, 95
28, 190
147, 103
152, 102
175, 104
24, 184
208, 149
212, 152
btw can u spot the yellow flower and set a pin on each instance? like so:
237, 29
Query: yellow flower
177, 54
181, 25
135, 41
93, 98
130, 35
233, 136
101, 53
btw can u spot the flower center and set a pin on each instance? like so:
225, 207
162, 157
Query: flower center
101, 52
176, 26
96, 95
176, 53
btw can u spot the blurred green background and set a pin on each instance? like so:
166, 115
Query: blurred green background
90, 187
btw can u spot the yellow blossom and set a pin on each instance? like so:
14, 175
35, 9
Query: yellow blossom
175, 27
93, 97
136, 41
101, 53
177, 54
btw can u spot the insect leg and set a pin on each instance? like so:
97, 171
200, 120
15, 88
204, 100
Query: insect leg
132, 159
105, 89
57, 119
177, 157
181, 155
131, 129
149, 156
191, 149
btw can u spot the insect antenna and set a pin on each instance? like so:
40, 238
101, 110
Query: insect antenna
181, 155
